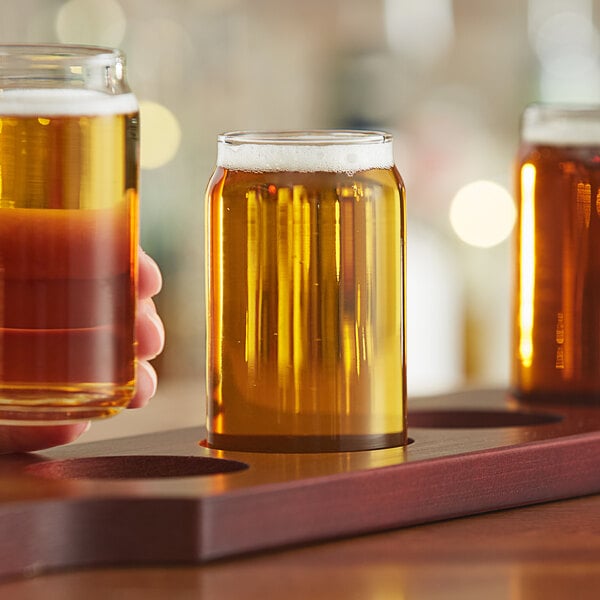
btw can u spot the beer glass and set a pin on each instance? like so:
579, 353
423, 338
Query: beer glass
305, 293
68, 233
556, 331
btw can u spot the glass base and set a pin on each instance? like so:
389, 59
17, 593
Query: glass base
305, 443
24, 405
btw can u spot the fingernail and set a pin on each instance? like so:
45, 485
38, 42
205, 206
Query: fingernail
150, 371
159, 327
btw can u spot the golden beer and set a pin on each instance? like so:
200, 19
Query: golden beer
556, 333
68, 240
305, 293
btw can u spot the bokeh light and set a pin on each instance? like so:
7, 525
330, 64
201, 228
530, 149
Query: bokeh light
99, 22
566, 41
160, 135
482, 213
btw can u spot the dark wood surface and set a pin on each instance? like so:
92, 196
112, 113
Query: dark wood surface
145, 502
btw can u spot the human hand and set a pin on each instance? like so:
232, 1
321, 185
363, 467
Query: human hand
150, 337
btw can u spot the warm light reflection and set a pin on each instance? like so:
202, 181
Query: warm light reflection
216, 341
527, 264
253, 275
482, 214
101, 22
160, 135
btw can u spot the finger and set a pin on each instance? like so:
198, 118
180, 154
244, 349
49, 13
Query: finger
146, 385
150, 277
27, 438
149, 331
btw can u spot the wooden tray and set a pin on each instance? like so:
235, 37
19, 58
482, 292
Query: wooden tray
164, 498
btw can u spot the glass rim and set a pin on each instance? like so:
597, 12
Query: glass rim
47, 67
308, 151
569, 108
58, 52
307, 137
560, 124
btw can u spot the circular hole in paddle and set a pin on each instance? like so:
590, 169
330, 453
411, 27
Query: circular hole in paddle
134, 467
474, 419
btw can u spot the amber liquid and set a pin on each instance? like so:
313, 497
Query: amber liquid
556, 335
305, 304
68, 238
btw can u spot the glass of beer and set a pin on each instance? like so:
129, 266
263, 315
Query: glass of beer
68, 233
556, 331
305, 293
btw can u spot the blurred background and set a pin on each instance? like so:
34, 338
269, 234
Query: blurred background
449, 78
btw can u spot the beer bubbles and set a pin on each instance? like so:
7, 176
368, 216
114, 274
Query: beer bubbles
482, 213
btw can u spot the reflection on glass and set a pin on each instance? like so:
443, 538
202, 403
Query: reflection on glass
527, 261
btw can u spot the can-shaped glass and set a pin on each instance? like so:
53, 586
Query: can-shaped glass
556, 315
305, 293
68, 233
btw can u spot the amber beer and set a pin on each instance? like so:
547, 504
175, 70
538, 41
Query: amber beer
305, 293
68, 239
556, 336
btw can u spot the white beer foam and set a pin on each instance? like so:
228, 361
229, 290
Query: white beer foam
577, 128
64, 102
341, 156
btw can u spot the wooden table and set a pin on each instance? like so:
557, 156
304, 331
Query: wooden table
549, 550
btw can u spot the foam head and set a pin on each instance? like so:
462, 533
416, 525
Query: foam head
556, 125
308, 152
64, 102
